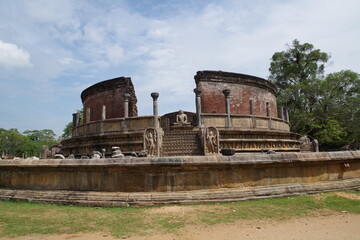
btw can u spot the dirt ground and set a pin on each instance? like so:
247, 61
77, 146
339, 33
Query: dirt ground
339, 226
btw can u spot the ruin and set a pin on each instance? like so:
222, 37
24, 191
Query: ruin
236, 146
241, 109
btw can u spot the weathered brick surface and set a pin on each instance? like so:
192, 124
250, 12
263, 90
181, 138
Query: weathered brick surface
243, 89
111, 94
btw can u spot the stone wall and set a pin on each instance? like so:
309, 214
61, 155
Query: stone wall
243, 88
110, 94
172, 174
171, 180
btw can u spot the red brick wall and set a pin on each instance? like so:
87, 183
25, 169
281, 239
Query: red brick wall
213, 100
111, 94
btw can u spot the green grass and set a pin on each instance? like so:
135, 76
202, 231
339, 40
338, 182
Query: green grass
23, 218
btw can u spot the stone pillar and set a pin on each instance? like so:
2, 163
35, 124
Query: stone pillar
103, 114
267, 109
226, 92
75, 122
251, 107
155, 96
282, 113
126, 105
253, 120
78, 119
198, 106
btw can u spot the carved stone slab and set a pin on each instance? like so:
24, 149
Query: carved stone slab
153, 141
211, 141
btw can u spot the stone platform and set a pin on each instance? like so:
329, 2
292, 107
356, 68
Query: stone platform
167, 180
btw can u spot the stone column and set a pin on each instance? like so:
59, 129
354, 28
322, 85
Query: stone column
103, 114
253, 120
75, 122
155, 96
198, 106
282, 113
268, 109
126, 105
268, 113
251, 107
226, 92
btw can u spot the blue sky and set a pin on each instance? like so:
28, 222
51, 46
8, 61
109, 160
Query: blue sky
52, 50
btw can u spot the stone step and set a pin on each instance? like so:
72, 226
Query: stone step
181, 143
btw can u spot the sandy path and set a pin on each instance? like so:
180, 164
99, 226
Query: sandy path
341, 226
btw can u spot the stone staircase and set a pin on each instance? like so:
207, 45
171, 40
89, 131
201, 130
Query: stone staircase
181, 143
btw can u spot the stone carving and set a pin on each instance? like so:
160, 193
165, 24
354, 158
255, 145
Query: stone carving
261, 146
150, 142
181, 119
211, 141
96, 155
103, 152
305, 144
45, 153
56, 150
71, 156
116, 152
153, 141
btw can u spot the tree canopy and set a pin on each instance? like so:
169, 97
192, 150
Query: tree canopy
323, 107
30, 143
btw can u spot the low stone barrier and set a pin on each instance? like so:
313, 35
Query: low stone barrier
152, 181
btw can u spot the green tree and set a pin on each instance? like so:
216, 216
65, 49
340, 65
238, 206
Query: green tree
340, 101
296, 73
46, 135
325, 107
67, 132
41, 138
13, 143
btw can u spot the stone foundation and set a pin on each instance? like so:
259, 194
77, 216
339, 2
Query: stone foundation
149, 181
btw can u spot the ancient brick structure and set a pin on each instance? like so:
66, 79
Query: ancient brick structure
109, 96
240, 109
244, 91
235, 113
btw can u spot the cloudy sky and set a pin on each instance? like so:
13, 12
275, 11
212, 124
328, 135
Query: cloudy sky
51, 50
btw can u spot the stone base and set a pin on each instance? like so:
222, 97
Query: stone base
120, 199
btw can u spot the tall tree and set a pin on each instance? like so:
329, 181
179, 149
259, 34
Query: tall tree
325, 107
296, 72
13, 143
340, 102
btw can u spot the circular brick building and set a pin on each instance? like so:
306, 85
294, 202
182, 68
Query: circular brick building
233, 111
106, 100
248, 95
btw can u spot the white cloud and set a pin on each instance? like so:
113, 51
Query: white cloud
88, 41
13, 56
69, 61
115, 54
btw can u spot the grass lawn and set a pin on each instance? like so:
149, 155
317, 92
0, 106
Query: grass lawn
23, 218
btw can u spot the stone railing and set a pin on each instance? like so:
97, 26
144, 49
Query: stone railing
113, 126
245, 122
